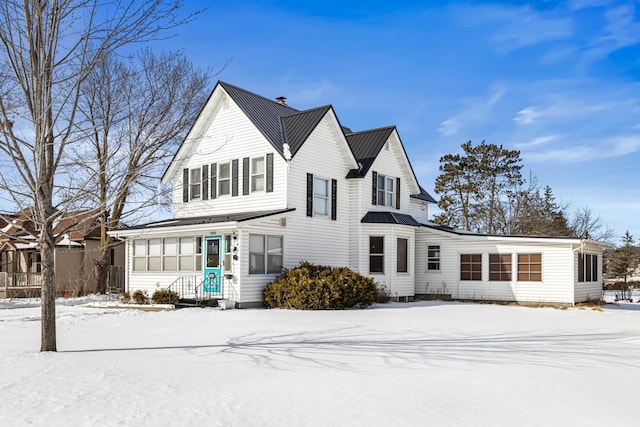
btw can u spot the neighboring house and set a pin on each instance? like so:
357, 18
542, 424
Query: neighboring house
259, 186
77, 238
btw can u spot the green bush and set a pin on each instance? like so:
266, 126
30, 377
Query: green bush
316, 287
139, 297
165, 296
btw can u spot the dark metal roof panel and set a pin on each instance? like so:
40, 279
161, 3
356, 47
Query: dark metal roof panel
423, 195
263, 112
365, 146
212, 219
373, 217
298, 126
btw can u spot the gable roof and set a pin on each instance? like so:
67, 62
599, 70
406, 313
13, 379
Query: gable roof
264, 113
297, 127
366, 146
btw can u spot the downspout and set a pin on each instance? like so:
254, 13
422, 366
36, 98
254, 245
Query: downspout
572, 272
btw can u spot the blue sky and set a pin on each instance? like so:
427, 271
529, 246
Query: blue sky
558, 81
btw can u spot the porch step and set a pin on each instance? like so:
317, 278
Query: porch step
192, 302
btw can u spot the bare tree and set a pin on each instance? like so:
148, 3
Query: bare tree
588, 226
138, 111
48, 49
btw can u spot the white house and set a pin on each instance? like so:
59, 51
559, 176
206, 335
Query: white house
259, 186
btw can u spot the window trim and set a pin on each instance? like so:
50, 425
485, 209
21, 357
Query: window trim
320, 198
406, 255
145, 259
587, 267
253, 175
265, 253
222, 180
529, 272
501, 274
195, 184
433, 259
469, 266
384, 191
376, 254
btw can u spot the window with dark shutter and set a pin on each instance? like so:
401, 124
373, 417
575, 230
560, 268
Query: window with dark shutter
234, 177
334, 199
214, 183
309, 194
374, 188
245, 176
270, 173
185, 185
397, 193
205, 182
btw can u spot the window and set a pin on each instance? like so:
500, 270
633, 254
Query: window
376, 254
186, 249
257, 174
169, 254
500, 267
470, 266
433, 257
227, 254
34, 262
224, 179
530, 267
320, 196
195, 181
403, 256
154, 254
587, 268
140, 255
385, 190
263, 261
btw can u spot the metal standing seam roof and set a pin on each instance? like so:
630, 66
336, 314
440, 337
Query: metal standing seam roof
298, 126
423, 195
366, 146
264, 113
374, 217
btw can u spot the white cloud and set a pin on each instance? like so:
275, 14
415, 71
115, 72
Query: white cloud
476, 111
527, 116
449, 127
541, 140
617, 146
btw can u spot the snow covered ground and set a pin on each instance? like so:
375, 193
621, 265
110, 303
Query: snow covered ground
418, 364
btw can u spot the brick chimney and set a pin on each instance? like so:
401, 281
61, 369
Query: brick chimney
281, 100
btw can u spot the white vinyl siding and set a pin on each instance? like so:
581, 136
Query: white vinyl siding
226, 135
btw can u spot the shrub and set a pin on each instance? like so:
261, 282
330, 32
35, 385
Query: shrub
384, 294
316, 287
139, 297
126, 297
165, 296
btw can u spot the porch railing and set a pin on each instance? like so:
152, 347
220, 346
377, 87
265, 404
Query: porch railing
21, 280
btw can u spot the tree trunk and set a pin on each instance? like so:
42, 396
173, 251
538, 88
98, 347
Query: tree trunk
48, 292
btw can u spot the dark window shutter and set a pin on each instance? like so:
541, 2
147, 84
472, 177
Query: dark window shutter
374, 188
309, 194
245, 176
234, 177
205, 182
270, 173
185, 185
214, 181
397, 193
334, 199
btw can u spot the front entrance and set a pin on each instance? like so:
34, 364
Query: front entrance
212, 265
